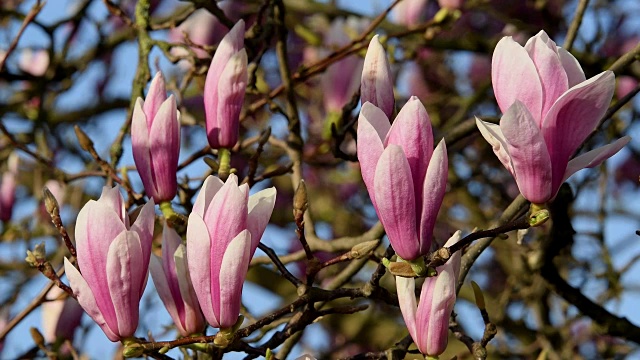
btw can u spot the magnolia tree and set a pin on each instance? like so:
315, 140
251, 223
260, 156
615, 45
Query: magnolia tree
359, 180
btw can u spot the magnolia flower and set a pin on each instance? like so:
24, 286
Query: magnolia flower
549, 109
224, 89
409, 12
8, 188
34, 62
405, 176
113, 258
224, 230
171, 276
340, 80
155, 138
428, 321
60, 317
376, 83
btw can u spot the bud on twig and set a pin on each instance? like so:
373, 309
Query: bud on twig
50, 203
37, 256
363, 249
300, 201
83, 139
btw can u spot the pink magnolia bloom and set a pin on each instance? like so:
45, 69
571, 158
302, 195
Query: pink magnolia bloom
224, 89
34, 62
405, 176
8, 188
409, 12
171, 276
549, 109
376, 83
428, 321
60, 317
340, 81
451, 4
224, 230
114, 260
155, 138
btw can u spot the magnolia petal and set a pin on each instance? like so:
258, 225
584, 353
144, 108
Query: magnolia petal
575, 74
229, 45
226, 217
155, 97
260, 208
573, 117
231, 89
198, 254
394, 192
170, 243
595, 157
411, 130
511, 67
164, 291
112, 199
373, 127
143, 226
233, 270
495, 138
86, 299
436, 303
140, 145
376, 83
529, 155
125, 276
543, 53
193, 319
437, 298
164, 150
433, 189
96, 227
210, 187
406, 288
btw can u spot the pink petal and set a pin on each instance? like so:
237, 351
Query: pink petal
198, 254
164, 139
226, 217
437, 298
140, 144
511, 67
376, 83
112, 198
411, 130
405, 288
96, 227
373, 127
432, 192
210, 187
164, 290
233, 270
193, 319
572, 67
394, 192
155, 97
543, 53
125, 274
87, 299
573, 117
260, 208
230, 44
595, 157
529, 155
170, 243
143, 226
495, 138
231, 89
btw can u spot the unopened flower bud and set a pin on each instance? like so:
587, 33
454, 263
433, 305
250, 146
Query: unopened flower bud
36, 256
37, 337
133, 350
50, 202
363, 249
83, 139
300, 200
